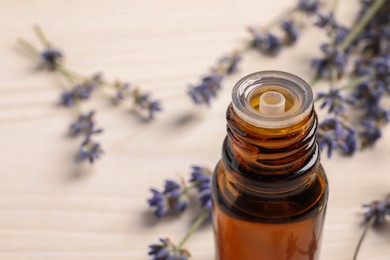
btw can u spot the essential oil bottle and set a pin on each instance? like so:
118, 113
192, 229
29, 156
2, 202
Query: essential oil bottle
269, 189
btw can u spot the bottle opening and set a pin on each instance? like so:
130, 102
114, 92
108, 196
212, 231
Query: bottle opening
272, 99
272, 102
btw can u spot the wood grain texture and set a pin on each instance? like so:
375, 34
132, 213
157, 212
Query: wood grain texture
51, 208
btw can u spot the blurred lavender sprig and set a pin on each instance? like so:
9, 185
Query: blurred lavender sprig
166, 250
377, 210
209, 85
262, 39
80, 88
336, 133
375, 215
175, 198
85, 125
368, 44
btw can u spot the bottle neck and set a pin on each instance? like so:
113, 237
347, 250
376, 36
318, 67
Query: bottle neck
274, 160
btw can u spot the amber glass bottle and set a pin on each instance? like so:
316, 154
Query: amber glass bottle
269, 189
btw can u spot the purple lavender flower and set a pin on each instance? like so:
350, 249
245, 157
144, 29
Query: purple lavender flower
374, 38
266, 43
348, 142
153, 107
51, 58
334, 133
381, 66
371, 133
201, 179
166, 250
228, 64
379, 114
67, 98
291, 31
173, 198
271, 44
84, 91
90, 150
377, 210
325, 20
326, 140
81, 91
335, 30
205, 200
176, 195
208, 88
340, 33
361, 68
308, 6
143, 102
122, 90
334, 59
334, 101
370, 93
85, 124
369, 96
160, 202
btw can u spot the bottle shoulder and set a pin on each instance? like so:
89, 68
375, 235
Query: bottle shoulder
270, 205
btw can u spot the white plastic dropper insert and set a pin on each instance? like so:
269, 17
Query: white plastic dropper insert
272, 103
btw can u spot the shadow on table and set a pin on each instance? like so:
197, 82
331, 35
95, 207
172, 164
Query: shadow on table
190, 215
148, 219
383, 231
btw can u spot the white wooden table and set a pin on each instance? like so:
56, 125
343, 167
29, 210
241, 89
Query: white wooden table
52, 208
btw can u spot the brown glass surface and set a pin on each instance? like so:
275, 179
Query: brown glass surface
269, 192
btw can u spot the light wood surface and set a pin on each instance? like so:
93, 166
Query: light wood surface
52, 208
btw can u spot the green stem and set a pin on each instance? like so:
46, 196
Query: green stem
41, 36
29, 48
335, 5
283, 15
287, 12
369, 224
332, 68
333, 75
74, 73
198, 222
356, 81
374, 8
68, 77
314, 81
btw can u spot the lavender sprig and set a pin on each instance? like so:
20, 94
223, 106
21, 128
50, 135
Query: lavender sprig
333, 60
334, 100
375, 215
201, 179
166, 250
86, 125
80, 89
309, 7
262, 40
173, 198
209, 86
90, 150
176, 198
336, 133
372, 70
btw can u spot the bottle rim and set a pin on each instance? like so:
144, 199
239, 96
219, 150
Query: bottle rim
246, 93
